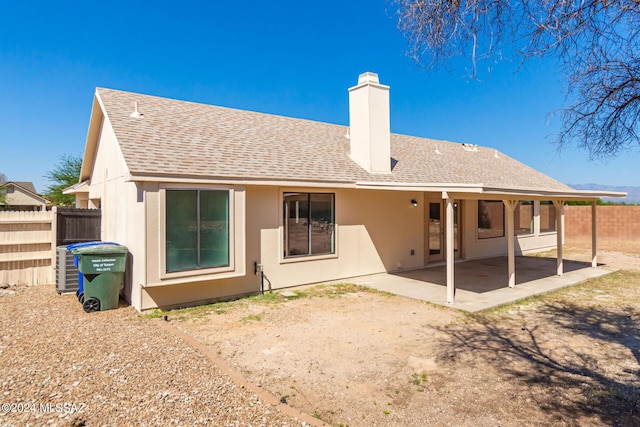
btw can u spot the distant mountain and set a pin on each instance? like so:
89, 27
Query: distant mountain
633, 193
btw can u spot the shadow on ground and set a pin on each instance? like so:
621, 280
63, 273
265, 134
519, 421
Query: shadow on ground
538, 352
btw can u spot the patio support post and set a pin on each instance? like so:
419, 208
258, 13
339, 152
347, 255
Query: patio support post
451, 287
594, 246
559, 205
511, 252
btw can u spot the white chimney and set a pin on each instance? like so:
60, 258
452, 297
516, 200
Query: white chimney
369, 124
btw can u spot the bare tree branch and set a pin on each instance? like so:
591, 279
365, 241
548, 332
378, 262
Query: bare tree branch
596, 42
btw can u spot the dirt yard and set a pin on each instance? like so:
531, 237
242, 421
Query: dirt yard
354, 357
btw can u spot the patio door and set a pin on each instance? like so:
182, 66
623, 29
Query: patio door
435, 229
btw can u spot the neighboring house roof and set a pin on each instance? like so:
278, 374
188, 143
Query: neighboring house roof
28, 195
26, 185
186, 139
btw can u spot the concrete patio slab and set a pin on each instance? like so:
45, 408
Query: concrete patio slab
482, 284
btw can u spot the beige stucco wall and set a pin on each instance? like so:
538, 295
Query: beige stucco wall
108, 163
122, 206
375, 232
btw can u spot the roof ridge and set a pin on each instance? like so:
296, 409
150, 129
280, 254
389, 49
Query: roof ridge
203, 104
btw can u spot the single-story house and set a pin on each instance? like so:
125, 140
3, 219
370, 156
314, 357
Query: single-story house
21, 196
206, 197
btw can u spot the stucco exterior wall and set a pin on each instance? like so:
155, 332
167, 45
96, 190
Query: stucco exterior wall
121, 204
375, 232
109, 163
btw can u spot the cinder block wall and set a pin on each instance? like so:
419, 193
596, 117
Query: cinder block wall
613, 222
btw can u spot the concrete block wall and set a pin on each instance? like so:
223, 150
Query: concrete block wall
613, 222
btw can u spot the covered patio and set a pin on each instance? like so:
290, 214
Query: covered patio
480, 284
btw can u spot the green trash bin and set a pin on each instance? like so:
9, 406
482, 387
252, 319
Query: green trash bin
103, 268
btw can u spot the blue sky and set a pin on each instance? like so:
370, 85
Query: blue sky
283, 57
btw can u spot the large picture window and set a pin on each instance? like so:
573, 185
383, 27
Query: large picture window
308, 224
547, 217
490, 219
523, 218
197, 229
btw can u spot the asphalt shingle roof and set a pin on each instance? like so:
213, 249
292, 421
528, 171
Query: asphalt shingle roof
182, 138
27, 185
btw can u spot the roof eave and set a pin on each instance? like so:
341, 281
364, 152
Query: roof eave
275, 181
80, 188
480, 189
558, 194
477, 190
93, 133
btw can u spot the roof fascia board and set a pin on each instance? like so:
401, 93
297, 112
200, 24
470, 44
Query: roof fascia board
455, 190
239, 181
560, 194
415, 186
476, 190
93, 133
95, 129
81, 187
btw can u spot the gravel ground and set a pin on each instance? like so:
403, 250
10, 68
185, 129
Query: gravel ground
60, 366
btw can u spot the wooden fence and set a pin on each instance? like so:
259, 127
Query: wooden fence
26, 247
28, 241
77, 225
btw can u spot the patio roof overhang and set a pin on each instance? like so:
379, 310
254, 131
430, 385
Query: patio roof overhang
81, 187
453, 190
481, 191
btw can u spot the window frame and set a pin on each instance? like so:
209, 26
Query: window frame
200, 218
162, 220
283, 235
555, 222
504, 217
516, 221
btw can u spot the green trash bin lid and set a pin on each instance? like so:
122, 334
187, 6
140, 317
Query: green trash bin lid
101, 259
100, 249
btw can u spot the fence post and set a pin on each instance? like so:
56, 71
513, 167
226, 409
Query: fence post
54, 240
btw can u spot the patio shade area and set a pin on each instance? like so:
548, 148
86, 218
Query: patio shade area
482, 284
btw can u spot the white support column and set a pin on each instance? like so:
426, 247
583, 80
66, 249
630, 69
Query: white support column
559, 205
594, 246
511, 251
451, 286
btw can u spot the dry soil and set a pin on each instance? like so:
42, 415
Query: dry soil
354, 357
